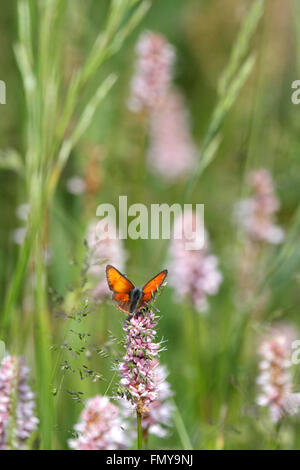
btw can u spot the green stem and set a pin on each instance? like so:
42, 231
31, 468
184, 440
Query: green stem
277, 436
42, 340
15, 286
139, 431
181, 429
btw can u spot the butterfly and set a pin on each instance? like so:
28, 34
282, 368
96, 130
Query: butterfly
130, 299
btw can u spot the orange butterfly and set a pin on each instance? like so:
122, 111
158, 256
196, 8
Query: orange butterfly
130, 299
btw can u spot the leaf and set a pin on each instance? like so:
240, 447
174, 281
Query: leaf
241, 45
223, 106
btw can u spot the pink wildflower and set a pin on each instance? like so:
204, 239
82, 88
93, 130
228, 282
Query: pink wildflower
275, 378
172, 151
155, 58
101, 427
105, 248
160, 410
194, 274
17, 420
136, 369
257, 213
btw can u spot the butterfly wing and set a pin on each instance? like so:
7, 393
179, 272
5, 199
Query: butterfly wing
150, 289
121, 288
117, 282
122, 301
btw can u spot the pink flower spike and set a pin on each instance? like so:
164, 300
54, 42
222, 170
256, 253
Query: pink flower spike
16, 404
172, 152
136, 369
193, 274
275, 379
153, 74
159, 416
101, 427
256, 215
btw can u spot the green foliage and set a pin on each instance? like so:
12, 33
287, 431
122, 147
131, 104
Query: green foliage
66, 116
2, 350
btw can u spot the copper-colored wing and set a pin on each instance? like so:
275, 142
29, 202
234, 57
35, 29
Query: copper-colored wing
123, 301
117, 282
150, 289
121, 287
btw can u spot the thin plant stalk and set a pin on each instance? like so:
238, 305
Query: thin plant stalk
231, 82
47, 152
139, 431
43, 161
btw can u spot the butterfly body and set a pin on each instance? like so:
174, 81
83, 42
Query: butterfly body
135, 296
128, 298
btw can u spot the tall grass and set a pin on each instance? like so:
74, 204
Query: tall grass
47, 314
53, 128
232, 79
